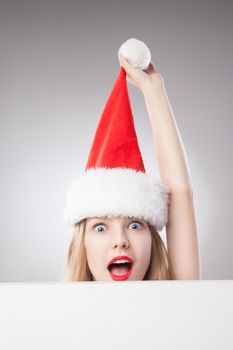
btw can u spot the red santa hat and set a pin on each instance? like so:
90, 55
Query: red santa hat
115, 182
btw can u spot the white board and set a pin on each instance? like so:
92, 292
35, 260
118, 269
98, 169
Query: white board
115, 315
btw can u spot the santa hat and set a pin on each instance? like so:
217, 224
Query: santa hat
115, 182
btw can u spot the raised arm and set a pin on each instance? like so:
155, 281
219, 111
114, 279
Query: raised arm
181, 230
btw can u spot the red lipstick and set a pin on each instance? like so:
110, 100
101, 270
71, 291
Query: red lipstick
125, 276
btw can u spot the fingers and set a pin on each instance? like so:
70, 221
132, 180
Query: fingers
120, 59
131, 69
126, 64
128, 67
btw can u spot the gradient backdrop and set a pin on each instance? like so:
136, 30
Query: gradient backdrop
58, 65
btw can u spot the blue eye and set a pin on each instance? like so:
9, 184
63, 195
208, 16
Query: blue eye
97, 226
136, 224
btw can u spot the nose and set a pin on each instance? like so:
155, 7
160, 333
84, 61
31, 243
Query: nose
120, 240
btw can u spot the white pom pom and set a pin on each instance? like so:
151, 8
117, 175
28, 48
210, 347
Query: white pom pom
136, 52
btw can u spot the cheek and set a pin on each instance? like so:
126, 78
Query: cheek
94, 250
143, 247
144, 240
89, 245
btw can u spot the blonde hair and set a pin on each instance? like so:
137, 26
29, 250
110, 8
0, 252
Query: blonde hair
77, 269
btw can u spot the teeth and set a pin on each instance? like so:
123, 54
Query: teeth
121, 261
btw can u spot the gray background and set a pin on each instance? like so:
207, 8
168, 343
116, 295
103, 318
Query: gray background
58, 65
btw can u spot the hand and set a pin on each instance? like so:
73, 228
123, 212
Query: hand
142, 79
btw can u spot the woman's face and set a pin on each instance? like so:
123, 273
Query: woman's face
108, 238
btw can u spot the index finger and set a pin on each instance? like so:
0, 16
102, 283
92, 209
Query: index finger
126, 64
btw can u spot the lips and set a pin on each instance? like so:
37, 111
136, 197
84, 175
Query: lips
118, 265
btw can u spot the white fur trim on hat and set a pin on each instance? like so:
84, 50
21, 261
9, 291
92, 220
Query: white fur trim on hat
117, 192
136, 52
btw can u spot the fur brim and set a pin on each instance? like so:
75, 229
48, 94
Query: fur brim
117, 192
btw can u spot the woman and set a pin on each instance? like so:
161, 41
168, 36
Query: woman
132, 239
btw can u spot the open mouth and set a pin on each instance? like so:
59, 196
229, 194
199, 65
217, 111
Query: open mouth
120, 271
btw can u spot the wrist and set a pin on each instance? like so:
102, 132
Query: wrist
154, 93
154, 87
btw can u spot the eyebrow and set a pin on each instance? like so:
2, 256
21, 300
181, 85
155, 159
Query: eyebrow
103, 218
93, 221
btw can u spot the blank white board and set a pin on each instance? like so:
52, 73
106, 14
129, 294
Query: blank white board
117, 315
